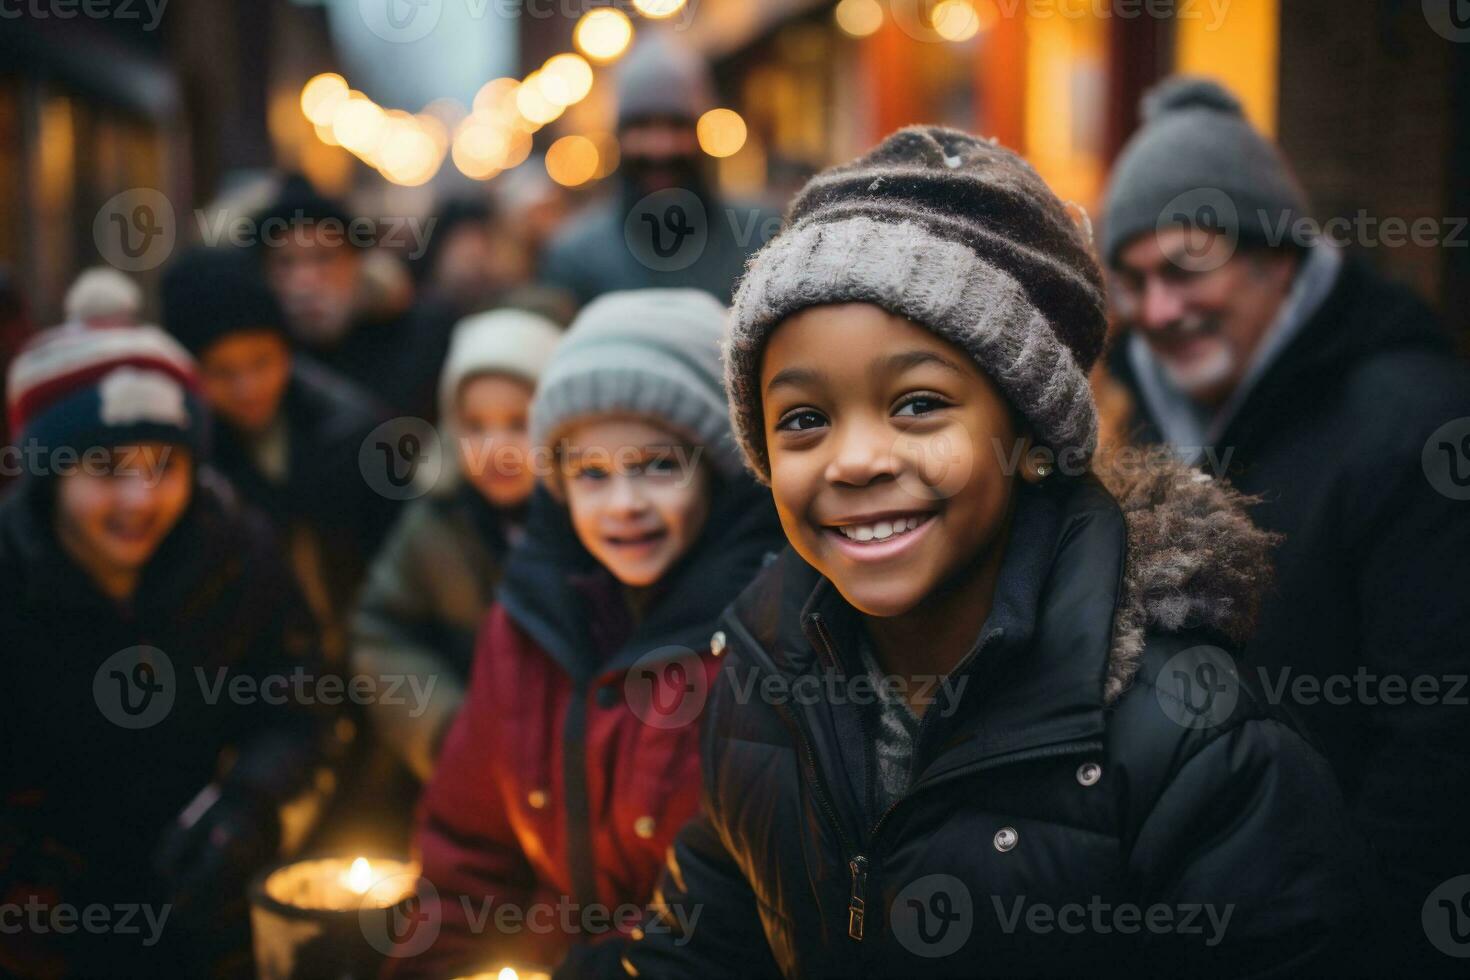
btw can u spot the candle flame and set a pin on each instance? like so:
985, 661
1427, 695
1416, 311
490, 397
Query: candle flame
508, 973
360, 876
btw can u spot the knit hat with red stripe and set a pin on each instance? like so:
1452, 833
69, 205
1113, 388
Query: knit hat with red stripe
79, 387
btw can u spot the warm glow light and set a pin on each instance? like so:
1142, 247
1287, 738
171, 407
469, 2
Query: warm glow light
859, 18
721, 132
956, 20
518, 150
359, 124
479, 149
508, 974
603, 34
410, 157
360, 876
321, 97
533, 104
495, 94
571, 77
658, 9
572, 160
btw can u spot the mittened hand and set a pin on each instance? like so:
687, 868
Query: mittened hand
211, 849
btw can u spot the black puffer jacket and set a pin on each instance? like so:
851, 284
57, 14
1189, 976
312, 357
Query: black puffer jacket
1105, 795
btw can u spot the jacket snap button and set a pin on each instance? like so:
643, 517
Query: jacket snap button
537, 798
644, 827
1089, 773
717, 643
1006, 838
607, 696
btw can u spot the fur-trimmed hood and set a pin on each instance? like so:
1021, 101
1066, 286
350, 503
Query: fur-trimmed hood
1194, 560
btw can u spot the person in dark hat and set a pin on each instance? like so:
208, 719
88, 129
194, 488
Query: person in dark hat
665, 225
1332, 396
147, 614
317, 258
287, 431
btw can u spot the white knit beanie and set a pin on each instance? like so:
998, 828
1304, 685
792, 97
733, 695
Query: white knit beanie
649, 353
512, 342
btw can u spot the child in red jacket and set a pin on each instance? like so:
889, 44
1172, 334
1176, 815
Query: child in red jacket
575, 758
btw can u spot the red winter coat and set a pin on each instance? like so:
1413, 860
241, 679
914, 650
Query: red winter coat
575, 759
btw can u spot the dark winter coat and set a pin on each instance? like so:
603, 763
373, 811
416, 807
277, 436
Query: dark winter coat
1372, 574
684, 240
325, 498
84, 800
396, 357
560, 783
1079, 780
425, 596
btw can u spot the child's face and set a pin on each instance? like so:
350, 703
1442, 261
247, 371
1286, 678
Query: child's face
494, 438
118, 514
244, 376
886, 446
638, 495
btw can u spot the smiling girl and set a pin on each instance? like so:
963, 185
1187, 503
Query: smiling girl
575, 758
907, 368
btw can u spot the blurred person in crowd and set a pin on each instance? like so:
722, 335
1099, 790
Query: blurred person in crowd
103, 297
666, 224
138, 594
991, 638
568, 771
1318, 387
473, 257
287, 431
533, 204
435, 577
364, 323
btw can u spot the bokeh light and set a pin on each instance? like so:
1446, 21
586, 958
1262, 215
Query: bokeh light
321, 97
721, 132
859, 18
956, 20
572, 160
658, 9
566, 79
603, 34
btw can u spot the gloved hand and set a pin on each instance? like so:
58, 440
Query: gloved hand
209, 852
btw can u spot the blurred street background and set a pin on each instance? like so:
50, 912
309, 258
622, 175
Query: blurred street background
396, 104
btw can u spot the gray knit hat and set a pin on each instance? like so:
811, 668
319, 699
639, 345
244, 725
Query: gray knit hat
652, 353
959, 235
662, 78
1198, 158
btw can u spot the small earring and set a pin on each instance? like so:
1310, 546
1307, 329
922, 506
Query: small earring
1043, 470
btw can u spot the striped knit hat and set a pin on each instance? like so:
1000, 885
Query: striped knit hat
650, 353
78, 387
957, 234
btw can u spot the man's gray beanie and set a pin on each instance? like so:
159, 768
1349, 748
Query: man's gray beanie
662, 78
646, 353
962, 237
1197, 160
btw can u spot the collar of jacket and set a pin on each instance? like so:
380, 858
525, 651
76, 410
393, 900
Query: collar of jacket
1159, 548
540, 589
